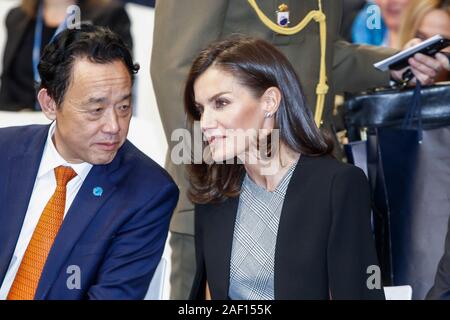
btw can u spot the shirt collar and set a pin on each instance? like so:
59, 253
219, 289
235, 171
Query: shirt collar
52, 159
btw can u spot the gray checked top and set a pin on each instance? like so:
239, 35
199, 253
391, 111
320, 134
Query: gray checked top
254, 239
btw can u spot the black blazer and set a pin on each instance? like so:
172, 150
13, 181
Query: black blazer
324, 242
441, 287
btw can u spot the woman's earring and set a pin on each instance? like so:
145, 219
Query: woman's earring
268, 115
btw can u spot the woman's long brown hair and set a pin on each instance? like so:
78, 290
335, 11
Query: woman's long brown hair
257, 65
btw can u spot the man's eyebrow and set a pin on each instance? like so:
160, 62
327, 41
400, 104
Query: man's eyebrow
100, 100
94, 100
126, 97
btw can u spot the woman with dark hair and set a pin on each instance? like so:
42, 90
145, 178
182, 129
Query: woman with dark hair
286, 221
31, 26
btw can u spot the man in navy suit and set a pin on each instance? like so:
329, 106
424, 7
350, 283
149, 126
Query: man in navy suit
117, 203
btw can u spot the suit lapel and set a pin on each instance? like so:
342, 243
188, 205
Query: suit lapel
23, 170
83, 209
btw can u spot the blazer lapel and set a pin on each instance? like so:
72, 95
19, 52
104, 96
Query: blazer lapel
295, 194
225, 216
23, 170
83, 209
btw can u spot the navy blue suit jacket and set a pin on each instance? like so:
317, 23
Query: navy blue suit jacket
116, 239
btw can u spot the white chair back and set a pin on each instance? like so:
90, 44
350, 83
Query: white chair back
156, 288
398, 293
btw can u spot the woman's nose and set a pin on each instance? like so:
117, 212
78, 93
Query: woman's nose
207, 120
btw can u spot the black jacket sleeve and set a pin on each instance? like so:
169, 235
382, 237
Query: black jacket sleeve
352, 261
199, 285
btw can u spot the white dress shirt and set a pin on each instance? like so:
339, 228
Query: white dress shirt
44, 187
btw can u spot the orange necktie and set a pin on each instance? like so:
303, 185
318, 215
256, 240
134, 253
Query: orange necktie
27, 277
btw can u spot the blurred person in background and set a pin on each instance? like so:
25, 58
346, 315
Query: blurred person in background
351, 9
29, 31
424, 19
387, 32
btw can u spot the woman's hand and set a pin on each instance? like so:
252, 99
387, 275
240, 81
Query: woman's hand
424, 68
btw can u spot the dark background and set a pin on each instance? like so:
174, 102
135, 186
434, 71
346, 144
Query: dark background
150, 3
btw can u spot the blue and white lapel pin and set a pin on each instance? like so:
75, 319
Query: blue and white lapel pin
97, 191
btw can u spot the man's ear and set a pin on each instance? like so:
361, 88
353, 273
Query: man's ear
271, 99
48, 105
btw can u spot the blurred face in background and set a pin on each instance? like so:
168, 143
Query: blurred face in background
392, 10
435, 22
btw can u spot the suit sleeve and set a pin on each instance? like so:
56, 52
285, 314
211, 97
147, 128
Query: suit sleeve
136, 250
351, 247
198, 288
357, 61
441, 287
182, 29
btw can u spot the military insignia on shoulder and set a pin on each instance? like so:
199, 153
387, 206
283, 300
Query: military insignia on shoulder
283, 15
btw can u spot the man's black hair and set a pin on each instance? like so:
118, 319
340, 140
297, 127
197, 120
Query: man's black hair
97, 44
